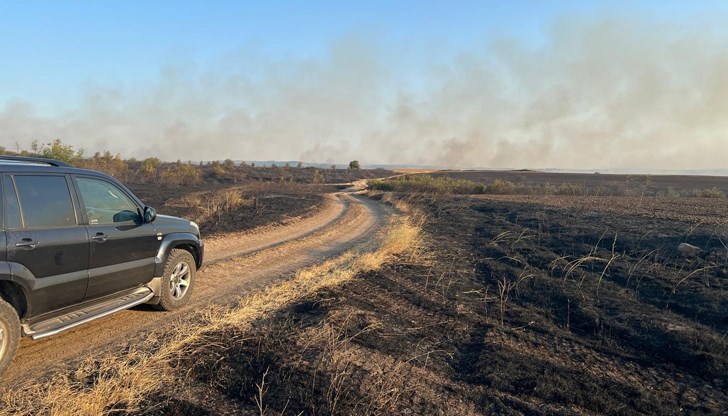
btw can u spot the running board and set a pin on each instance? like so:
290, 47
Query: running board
99, 310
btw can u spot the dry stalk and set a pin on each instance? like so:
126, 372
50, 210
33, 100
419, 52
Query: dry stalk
504, 288
609, 263
261, 393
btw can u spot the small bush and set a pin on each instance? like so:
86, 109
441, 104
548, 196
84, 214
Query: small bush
672, 193
180, 173
499, 186
569, 189
708, 193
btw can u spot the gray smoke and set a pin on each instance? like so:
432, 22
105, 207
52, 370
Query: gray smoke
612, 92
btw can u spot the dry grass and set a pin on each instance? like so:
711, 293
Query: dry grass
213, 207
120, 383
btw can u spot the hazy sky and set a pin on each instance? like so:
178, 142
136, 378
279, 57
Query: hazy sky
562, 84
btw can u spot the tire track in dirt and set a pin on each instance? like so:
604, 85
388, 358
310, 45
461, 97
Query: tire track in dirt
236, 264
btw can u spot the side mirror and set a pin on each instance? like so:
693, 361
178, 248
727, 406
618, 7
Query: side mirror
150, 214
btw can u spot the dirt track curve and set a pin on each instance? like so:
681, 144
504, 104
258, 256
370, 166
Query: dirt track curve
235, 264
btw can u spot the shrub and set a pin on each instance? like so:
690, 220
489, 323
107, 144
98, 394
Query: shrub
672, 193
499, 186
218, 172
149, 165
57, 150
708, 193
105, 162
569, 189
179, 173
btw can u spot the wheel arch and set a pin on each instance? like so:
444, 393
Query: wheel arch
184, 241
14, 294
192, 249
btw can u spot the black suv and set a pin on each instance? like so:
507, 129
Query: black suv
77, 245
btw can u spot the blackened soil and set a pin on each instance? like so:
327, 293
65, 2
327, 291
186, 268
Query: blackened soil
514, 308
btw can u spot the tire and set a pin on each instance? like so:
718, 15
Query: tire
178, 280
9, 334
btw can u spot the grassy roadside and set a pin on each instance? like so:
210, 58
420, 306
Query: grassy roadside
141, 378
441, 183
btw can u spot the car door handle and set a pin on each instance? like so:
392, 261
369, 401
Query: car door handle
27, 243
99, 237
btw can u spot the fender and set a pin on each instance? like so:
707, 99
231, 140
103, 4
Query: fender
19, 274
173, 240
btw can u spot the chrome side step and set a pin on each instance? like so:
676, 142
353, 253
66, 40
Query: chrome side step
73, 319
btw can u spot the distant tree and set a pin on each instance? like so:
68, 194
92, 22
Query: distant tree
149, 166
333, 167
299, 165
354, 165
228, 164
57, 150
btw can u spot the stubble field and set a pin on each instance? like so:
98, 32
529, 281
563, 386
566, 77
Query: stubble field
510, 304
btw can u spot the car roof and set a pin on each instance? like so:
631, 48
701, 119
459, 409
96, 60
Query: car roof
25, 167
32, 160
25, 164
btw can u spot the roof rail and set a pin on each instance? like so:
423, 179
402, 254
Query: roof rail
51, 162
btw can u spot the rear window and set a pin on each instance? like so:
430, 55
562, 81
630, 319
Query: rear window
45, 201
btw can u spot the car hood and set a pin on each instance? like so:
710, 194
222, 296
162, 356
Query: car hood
168, 224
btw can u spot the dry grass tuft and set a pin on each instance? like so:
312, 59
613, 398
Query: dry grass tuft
96, 387
120, 383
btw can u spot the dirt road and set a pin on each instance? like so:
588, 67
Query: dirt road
235, 265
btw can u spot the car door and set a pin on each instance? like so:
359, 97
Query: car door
123, 247
45, 243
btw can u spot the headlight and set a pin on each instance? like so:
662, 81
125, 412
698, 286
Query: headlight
197, 227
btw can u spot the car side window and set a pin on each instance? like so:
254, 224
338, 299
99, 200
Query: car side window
45, 201
106, 203
2, 209
12, 208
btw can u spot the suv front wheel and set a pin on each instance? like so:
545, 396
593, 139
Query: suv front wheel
178, 280
9, 334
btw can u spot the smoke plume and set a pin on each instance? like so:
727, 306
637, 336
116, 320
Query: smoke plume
613, 92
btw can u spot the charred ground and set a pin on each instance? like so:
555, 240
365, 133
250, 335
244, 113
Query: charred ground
546, 305
599, 184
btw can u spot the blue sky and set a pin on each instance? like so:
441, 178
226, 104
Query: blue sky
51, 49
505, 83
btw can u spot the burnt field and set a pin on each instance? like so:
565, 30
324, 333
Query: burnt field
513, 304
539, 308
597, 183
586, 308
543, 305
